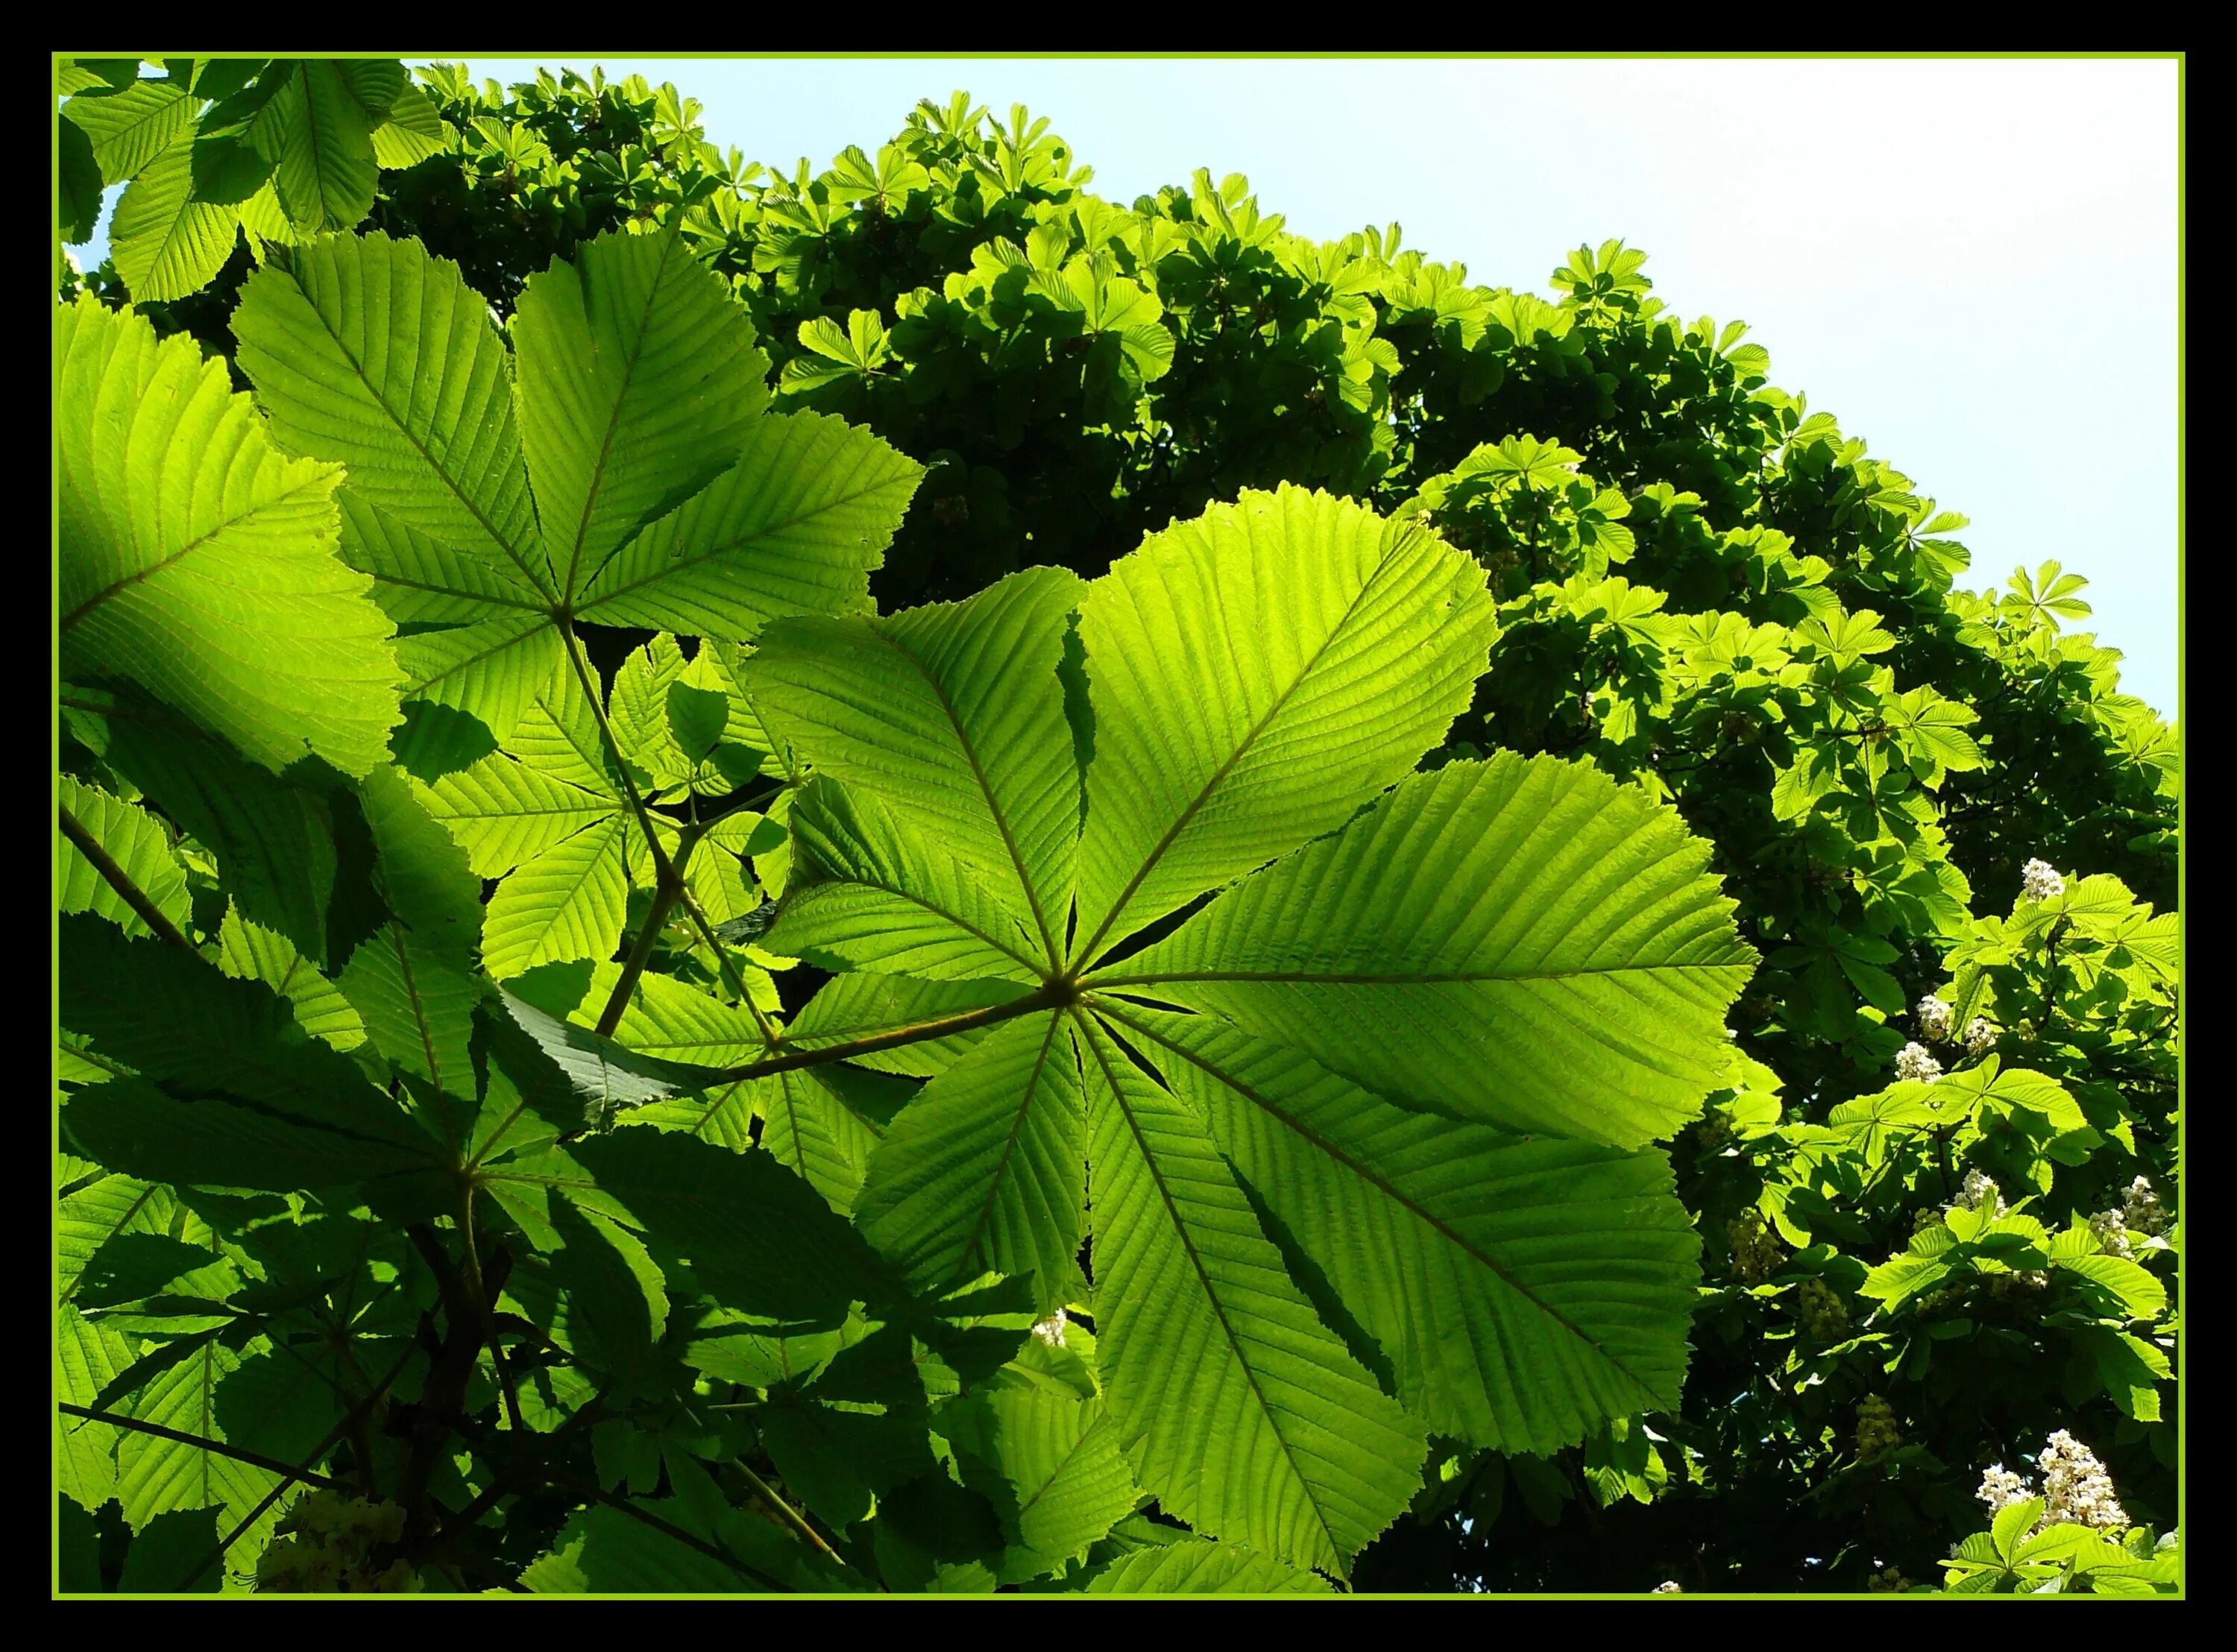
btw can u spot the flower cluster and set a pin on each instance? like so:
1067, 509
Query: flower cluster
2001, 1487
2141, 1209
1977, 1191
2110, 1229
2039, 880
1914, 1060
1051, 1330
1821, 1311
2076, 1490
1980, 1035
2026, 1282
324, 1547
1755, 1253
1876, 1427
1890, 1581
1934, 1018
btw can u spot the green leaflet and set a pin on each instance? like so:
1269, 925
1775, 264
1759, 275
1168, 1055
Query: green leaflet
1322, 649
88, 1358
1193, 1567
984, 1171
173, 1017
1579, 989
638, 384
130, 126
88, 1215
848, 1007
317, 130
647, 490
247, 952
887, 900
165, 242
825, 1122
273, 835
907, 711
200, 564
1050, 1463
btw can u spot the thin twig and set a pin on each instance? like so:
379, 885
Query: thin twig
770, 1036
120, 880
791, 1515
216, 1448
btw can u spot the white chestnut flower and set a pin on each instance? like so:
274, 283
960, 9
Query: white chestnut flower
2110, 1229
1934, 1018
2141, 1209
2076, 1490
1051, 1330
1914, 1060
1980, 1035
1669, 1588
1977, 1191
2000, 1488
2039, 880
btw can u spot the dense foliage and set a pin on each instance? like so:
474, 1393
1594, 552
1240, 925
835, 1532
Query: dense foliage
699, 1071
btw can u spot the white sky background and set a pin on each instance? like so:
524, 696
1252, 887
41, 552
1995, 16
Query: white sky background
1972, 265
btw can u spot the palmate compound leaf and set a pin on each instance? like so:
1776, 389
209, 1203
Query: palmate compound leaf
1234, 691
200, 564
621, 473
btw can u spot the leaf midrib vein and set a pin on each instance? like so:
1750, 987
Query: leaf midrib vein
186, 549
420, 447
614, 417
1302, 977
986, 791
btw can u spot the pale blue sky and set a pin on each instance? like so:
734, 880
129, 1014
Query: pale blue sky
1973, 264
